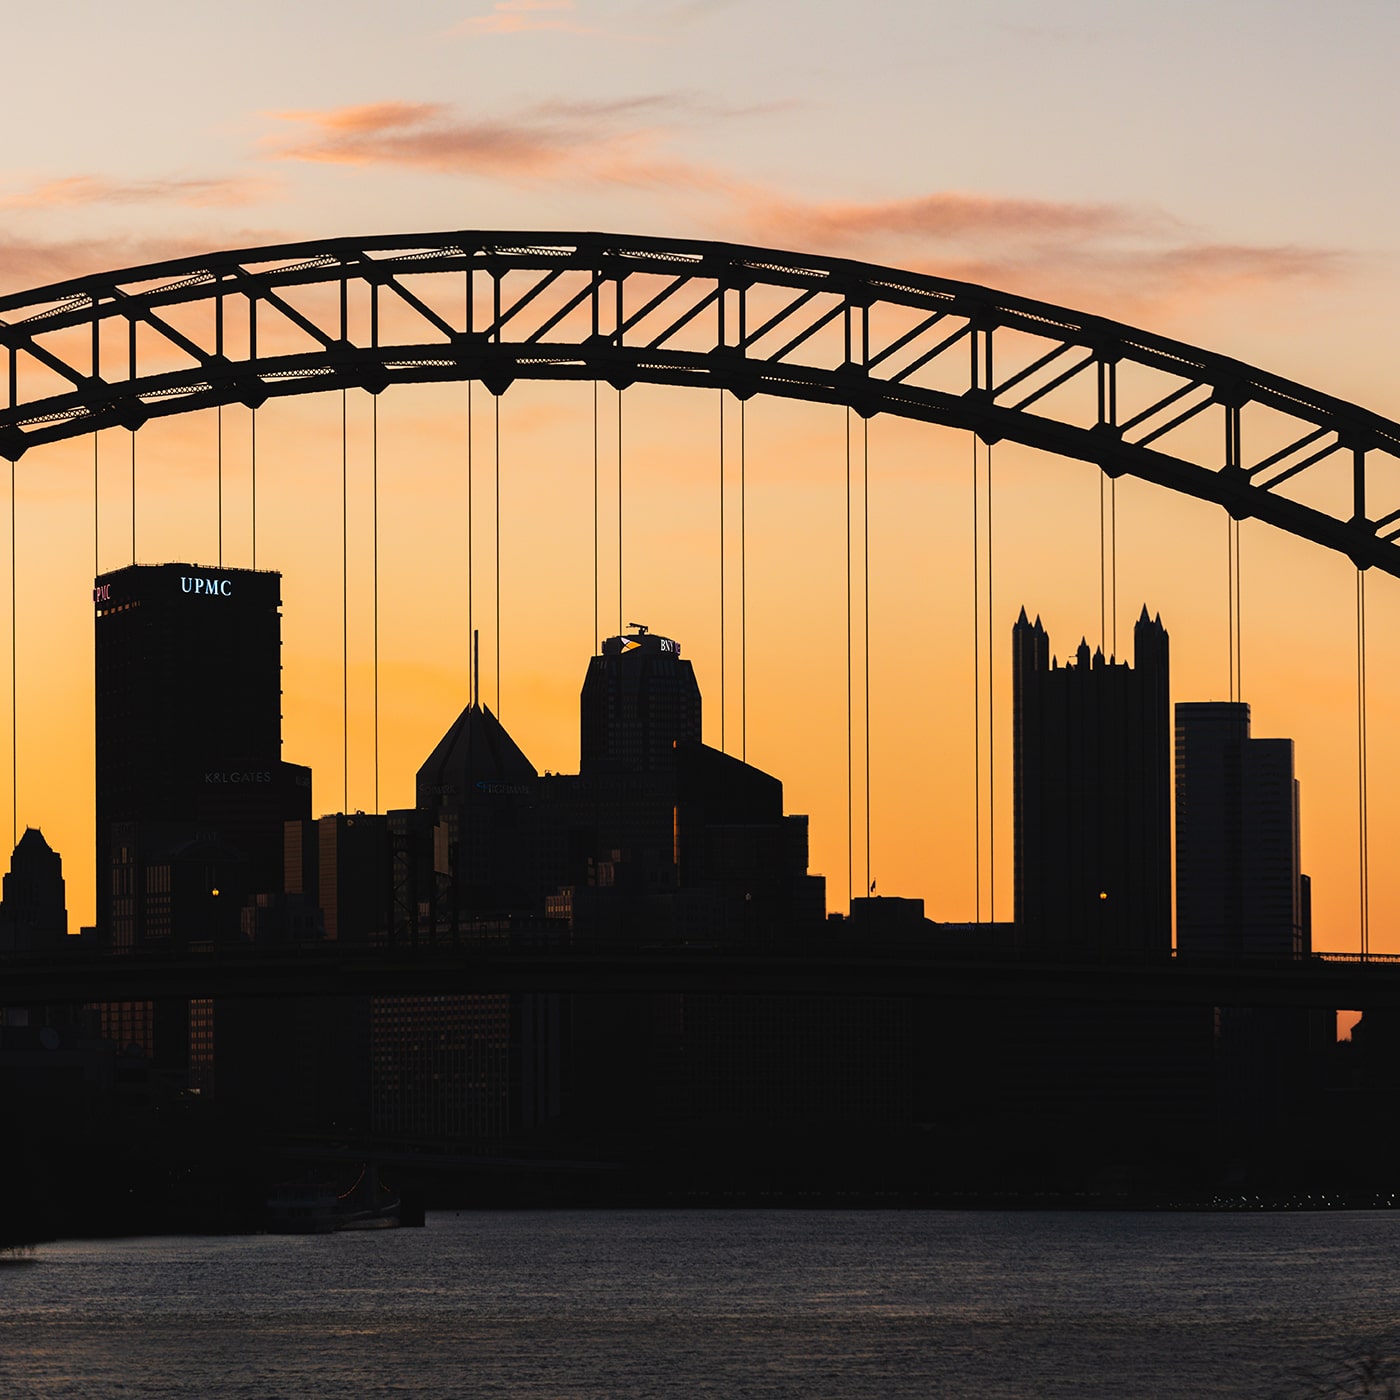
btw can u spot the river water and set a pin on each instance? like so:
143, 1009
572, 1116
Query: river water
723, 1303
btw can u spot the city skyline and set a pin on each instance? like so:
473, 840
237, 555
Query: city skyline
601, 116
328, 805
1091, 749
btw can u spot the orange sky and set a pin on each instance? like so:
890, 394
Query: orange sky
1065, 161
1298, 658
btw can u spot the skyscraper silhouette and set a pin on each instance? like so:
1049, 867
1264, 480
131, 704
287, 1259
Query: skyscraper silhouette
33, 916
1092, 797
639, 699
477, 793
191, 788
1239, 886
1240, 893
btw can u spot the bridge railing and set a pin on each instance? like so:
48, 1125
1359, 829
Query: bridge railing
552, 941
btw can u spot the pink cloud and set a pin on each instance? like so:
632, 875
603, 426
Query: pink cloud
1137, 284
1116, 259
949, 215
575, 141
426, 135
92, 189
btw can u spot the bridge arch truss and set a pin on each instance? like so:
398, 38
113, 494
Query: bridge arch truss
122, 348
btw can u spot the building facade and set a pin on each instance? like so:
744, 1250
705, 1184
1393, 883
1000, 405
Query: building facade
34, 913
639, 698
476, 792
1240, 889
191, 789
1092, 796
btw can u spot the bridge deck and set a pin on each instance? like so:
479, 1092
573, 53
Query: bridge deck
1329, 981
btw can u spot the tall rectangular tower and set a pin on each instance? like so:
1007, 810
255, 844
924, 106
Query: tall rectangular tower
1239, 884
188, 690
1092, 796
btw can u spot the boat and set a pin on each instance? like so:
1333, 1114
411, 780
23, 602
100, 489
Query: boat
318, 1208
368, 1204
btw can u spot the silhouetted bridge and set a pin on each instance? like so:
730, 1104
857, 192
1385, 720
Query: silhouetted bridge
1327, 980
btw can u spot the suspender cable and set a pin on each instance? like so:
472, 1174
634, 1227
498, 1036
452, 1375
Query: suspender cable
850, 718
496, 399
1239, 622
1113, 557
721, 573
14, 675
865, 556
976, 696
743, 595
597, 611
471, 569
219, 425
1232, 584
597, 636
96, 553
133, 495
344, 609
374, 478
474, 650
619, 512
253, 466
1362, 783
991, 716
1230, 602
467, 317
1108, 566
1103, 566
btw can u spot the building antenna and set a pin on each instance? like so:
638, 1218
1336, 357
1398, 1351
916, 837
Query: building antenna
476, 665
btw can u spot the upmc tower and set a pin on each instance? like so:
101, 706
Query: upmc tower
191, 789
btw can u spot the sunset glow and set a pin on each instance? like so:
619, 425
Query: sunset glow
1105, 178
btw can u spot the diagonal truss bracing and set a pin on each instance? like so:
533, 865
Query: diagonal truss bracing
122, 348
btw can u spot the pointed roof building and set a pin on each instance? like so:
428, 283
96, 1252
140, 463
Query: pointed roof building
33, 913
475, 755
477, 792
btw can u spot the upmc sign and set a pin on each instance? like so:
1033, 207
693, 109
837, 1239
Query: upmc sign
212, 587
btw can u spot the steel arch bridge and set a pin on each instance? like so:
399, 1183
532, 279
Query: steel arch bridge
118, 349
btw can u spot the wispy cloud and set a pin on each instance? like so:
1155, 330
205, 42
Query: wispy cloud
199, 193
523, 17
581, 142
1144, 284
949, 216
424, 135
1245, 264
1117, 258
